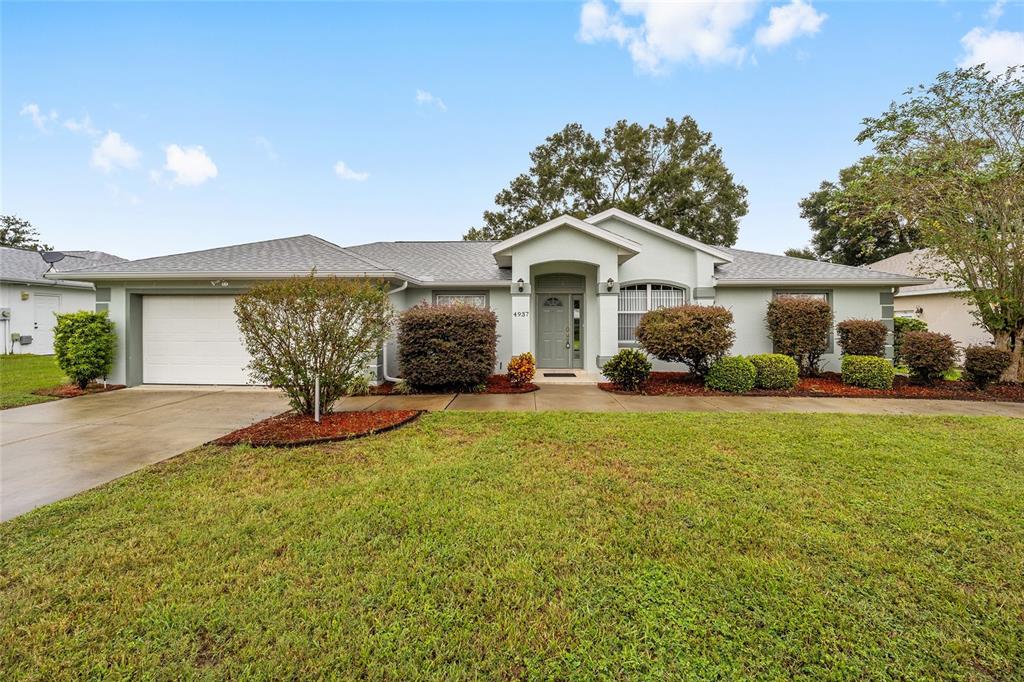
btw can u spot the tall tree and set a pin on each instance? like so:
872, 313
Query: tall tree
672, 175
848, 225
18, 233
951, 159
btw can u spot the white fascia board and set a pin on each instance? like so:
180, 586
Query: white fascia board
816, 282
61, 282
663, 232
133, 276
627, 245
928, 292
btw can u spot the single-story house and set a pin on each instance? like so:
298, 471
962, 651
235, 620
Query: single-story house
570, 290
29, 301
936, 303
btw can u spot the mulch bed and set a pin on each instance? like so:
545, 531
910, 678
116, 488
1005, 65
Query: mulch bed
291, 430
73, 391
496, 383
830, 385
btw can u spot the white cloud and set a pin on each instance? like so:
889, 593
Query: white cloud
786, 22
425, 99
113, 152
342, 170
39, 119
190, 165
83, 126
670, 31
997, 50
264, 144
996, 10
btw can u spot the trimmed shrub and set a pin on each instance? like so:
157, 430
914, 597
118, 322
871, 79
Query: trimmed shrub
985, 364
450, 346
929, 355
734, 374
299, 328
868, 371
521, 369
85, 344
628, 369
902, 325
862, 337
799, 327
695, 335
775, 371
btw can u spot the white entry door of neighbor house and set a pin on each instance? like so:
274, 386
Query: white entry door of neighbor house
192, 340
46, 308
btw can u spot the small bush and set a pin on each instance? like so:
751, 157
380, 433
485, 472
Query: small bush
775, 371
862, 337
447, 346
401, 387
799, 327
521, 369
928, 355
985, 364
628, 369
299, 328
734, 374
358, 385
902, 325
695, 335
85, 344
868, 371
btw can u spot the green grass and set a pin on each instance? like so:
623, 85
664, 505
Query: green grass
548, 545
22, 374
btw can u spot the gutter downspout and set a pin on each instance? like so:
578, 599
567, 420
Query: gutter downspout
384, 348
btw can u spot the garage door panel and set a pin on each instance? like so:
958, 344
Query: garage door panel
192, 340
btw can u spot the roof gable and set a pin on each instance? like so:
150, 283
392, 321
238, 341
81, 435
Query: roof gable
502, 251
659, 231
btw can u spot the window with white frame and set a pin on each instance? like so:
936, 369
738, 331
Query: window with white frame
637, 299
476, 298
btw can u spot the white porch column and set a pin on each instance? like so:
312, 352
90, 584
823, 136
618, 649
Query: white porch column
521, 320
608, 307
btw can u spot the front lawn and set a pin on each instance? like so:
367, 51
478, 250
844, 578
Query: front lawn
542, 545
22, 374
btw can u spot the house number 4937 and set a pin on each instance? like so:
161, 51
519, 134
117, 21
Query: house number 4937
521, 313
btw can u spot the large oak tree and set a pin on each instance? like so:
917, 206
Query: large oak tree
672, 175
18, 233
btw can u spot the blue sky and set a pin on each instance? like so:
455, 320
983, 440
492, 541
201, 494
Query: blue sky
144, 129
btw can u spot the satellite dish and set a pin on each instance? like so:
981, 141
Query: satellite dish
52, 257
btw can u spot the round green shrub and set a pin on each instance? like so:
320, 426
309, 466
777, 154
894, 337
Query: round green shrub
868, 371
775, 371
985, 364
628, 369
734, 374
85, 344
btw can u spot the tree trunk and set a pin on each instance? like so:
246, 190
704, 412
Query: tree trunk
1014, 343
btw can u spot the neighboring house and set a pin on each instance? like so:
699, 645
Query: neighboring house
571, 291
937, 303
29, 301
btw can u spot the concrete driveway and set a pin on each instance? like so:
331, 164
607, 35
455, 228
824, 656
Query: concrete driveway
54, 450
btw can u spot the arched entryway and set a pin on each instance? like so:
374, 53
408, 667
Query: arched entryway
560, 320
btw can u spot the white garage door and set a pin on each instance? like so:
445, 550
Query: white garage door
191, 340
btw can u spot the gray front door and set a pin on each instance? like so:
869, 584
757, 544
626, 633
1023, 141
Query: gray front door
554, 331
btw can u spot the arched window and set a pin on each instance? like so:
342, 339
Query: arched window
637, 299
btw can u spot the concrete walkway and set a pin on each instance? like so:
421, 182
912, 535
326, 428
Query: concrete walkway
53, 450
589, 398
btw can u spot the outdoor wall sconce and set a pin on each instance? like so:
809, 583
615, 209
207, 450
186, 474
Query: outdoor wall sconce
610, 283
520, 282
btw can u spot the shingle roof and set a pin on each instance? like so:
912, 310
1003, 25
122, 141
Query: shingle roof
910, 263
439, 261
767, 267
21, 265
287, 256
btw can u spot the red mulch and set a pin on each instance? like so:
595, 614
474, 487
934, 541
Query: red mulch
496, 383
290, 429
73, 391
830, 385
